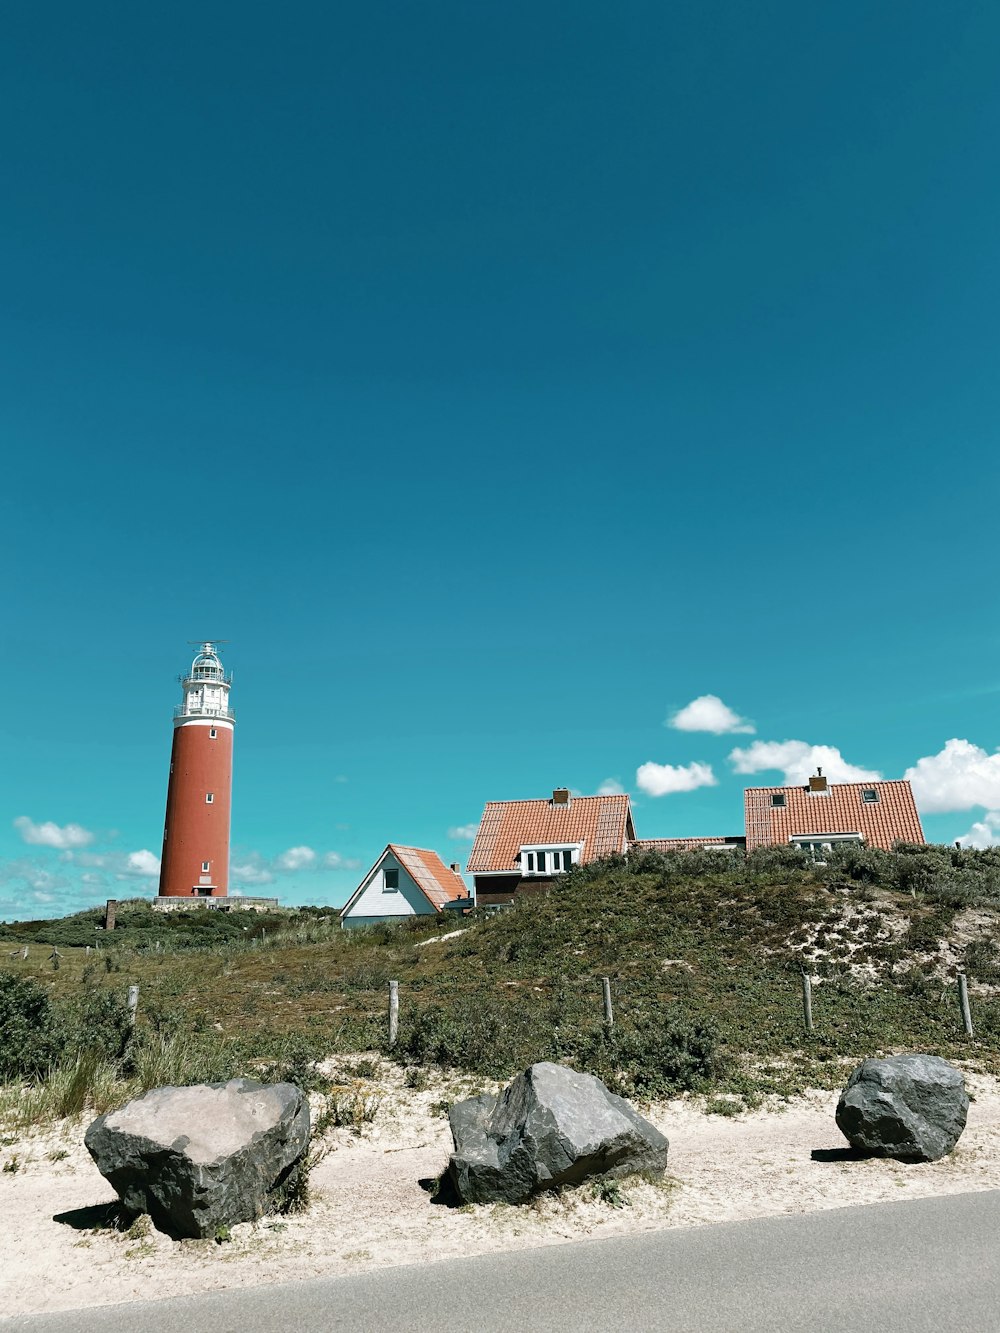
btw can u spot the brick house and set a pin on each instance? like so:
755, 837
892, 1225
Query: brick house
524, 846
822, 813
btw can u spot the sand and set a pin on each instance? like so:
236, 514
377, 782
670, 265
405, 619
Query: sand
369, 1208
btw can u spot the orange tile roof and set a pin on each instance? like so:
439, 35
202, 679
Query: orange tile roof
838, 810
602, 823
681, 844
433, 878
437, 883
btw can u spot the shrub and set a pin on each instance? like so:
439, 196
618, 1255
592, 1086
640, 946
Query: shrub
30, 1032
99, 1025
663, 1056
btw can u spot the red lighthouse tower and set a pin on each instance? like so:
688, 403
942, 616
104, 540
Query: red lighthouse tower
195, 861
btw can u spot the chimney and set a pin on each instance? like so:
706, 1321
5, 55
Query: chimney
456, 867
818, 782
560, 796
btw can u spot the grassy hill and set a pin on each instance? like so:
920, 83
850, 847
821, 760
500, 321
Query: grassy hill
705, 959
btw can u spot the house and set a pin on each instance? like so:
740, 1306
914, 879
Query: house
524, 846
404, 881
822, 813
737, 843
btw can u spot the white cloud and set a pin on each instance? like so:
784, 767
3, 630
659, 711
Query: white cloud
664, 779
797, 760
956, 778
334, 861
464, 832
142, 863
611, 787
984, 833
296, 858
52, 835
709, 713
252, 870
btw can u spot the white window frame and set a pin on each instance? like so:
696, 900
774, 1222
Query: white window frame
205, 867
540, 857
815, 844
875, 797
210, 798
213, 733
387, 887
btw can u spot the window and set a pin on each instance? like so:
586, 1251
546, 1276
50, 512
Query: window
390, 880
209, 797
817, 846
212, 733
778, 800
204, 867
549, 860
869, 796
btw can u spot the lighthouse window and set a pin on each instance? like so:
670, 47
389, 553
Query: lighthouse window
204, 866
209, 797
212, 733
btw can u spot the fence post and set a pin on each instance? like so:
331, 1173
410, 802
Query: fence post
609, 1015
393, 1012
24, 952
807, 1001
963, 1000
133, 1004
54, 957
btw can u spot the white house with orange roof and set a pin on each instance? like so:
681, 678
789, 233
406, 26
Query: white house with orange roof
403, 882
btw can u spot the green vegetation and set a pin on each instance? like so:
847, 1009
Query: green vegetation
705, 956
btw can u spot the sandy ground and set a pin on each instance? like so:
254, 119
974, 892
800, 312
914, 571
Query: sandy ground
369, 1208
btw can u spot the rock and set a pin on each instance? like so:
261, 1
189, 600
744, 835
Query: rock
552, 1126
910, 1107
202, 1157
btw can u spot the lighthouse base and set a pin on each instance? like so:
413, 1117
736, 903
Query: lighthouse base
173, 903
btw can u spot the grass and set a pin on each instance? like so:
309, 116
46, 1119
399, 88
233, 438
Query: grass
705, 963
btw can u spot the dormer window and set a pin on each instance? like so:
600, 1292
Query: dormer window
869, 796
549, 859
778, 800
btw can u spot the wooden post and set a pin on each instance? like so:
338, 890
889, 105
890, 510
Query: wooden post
55, 955
133, 1004
807, 1001
609, 1014
963, 1000
393, 1012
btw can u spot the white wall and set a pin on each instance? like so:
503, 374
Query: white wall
375, 903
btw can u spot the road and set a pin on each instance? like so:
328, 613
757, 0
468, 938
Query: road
929, 1264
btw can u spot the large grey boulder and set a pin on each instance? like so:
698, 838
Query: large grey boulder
910, 1107
552, 1126
200, 1158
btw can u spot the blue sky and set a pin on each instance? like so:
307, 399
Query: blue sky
497, 381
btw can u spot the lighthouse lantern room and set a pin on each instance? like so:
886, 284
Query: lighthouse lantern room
195, 860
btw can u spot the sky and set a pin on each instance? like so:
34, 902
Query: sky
530, 395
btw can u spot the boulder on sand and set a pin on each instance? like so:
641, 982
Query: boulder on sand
910, 1107
204, 1157
552, 1126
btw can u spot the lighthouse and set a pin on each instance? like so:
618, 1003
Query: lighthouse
195, 860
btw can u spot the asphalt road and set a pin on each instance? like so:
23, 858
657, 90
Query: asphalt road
929, 1264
